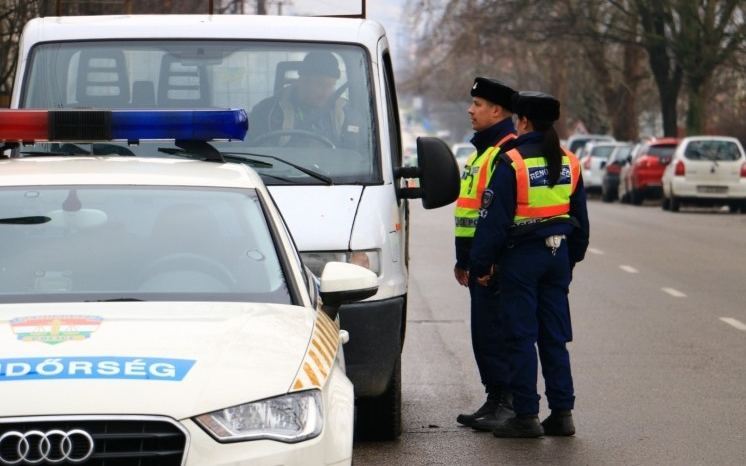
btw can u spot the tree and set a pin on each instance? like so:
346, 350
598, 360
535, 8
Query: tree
709, 33
13, 16
686, 41
610, 46
461, 39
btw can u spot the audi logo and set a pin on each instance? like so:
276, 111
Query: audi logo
51, 447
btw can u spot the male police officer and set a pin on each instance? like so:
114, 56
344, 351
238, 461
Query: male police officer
490, 112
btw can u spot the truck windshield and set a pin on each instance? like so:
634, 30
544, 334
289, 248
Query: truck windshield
309, 104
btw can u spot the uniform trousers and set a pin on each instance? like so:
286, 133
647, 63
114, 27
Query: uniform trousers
535, 312
486, 335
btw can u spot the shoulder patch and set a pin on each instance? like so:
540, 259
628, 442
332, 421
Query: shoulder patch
487, 197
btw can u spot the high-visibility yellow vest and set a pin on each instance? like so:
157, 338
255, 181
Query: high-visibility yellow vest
474, 180
536, 201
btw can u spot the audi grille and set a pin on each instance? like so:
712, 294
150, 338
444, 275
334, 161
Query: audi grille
92, 441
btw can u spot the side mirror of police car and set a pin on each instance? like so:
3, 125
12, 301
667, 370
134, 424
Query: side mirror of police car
343, 283
438, 173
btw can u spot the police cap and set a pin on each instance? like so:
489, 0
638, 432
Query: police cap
536, 106
494, 91
320, 64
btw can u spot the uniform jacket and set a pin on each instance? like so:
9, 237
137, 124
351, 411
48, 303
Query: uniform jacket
483, 141
494, 229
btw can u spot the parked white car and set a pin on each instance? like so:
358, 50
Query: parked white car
156, 311
706, 171
576, 142
462, 151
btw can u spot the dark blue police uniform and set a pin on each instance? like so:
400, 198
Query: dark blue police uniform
534, 281
486, 335
485, 329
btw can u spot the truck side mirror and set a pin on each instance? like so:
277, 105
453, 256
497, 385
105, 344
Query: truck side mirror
437, 171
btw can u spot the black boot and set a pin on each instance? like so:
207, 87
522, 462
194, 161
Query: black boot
519, 427
467, 419
502, 409
559, 423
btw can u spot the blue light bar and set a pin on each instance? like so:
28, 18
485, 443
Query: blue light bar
201, 125
96, 125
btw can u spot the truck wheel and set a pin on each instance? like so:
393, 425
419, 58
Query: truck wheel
380, 418
666, 204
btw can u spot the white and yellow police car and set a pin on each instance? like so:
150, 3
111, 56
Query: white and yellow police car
155, 311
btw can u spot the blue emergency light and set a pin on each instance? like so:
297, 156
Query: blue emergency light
95, 125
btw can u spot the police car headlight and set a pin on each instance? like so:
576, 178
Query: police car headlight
289, 418
368, 258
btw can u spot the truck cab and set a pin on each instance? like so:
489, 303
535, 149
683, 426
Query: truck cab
344, 197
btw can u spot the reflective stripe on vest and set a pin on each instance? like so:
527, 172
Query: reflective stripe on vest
535, 200
470, 197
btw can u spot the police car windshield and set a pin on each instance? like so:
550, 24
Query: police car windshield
97, 243
308, 103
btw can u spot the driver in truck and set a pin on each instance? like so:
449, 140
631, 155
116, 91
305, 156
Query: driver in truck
309, 104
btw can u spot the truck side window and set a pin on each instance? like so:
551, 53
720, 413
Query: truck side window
393, 111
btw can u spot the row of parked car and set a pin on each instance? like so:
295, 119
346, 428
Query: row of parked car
696, 170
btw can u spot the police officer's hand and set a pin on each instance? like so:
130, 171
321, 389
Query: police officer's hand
485, 280
462, 276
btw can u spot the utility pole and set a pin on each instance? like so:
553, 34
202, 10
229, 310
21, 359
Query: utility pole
261, 7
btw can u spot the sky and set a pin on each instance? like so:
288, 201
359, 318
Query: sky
386, 12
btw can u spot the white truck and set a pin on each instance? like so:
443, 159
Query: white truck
343, 201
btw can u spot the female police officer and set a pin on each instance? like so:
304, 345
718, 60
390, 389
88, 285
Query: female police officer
534, 223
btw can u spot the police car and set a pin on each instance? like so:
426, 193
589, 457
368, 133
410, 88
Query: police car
155, 311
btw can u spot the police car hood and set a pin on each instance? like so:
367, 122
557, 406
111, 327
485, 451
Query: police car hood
320, 217
169, 358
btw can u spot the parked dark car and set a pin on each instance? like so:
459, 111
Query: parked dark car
611, 167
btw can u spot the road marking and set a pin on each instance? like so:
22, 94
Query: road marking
595, 251
734, 322
628, 268
674, 292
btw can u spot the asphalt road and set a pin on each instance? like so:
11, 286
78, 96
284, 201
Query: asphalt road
659, 357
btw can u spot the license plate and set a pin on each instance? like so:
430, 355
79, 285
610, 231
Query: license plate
712, 189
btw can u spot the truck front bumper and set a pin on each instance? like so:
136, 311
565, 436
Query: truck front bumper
375, 329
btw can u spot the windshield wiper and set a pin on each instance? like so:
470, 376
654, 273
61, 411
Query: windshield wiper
247, 157
113, 300
248, 161
51, 154
713, 158
31, 220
